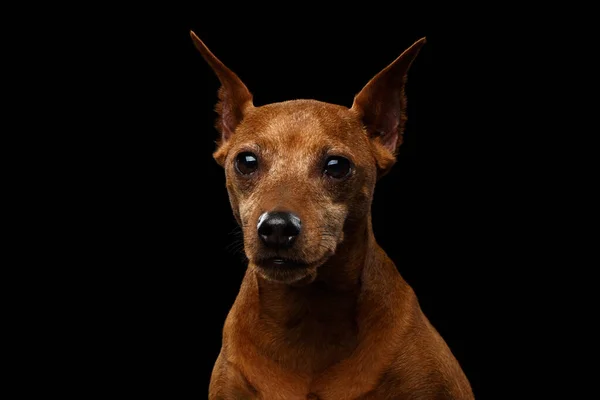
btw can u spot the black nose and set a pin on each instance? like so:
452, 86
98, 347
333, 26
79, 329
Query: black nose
278, 229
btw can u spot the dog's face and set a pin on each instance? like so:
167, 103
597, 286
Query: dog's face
304, 167
300, 173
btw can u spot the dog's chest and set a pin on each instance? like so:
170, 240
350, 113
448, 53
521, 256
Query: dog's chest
289, 368
309, 343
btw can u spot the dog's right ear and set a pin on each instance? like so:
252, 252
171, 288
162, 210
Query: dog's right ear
234, 98
381, 105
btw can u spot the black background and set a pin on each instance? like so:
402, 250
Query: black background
163, 273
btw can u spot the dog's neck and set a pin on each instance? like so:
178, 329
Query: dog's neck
306, 319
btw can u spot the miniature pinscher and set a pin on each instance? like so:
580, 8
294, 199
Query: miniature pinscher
322, 312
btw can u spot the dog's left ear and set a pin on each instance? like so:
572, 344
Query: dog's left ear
381, 105
234, 98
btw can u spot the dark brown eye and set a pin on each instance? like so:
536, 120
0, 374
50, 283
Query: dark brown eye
246, 163
338, 167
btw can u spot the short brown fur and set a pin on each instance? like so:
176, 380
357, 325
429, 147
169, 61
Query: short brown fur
347, 326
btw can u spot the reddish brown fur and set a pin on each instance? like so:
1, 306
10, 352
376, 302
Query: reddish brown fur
348, 327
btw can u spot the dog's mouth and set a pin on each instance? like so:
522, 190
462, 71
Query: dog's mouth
281, 263
287, 270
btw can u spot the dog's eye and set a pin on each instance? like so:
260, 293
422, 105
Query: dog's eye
246, 163
338, 167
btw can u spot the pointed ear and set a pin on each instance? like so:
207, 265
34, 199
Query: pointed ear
381, 105
234, 97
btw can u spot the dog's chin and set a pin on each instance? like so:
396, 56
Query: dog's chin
287, 271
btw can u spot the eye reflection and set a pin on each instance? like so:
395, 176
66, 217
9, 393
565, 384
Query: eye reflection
337, 167
246, 163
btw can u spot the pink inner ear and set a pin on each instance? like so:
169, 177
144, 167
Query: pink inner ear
383, 114
226, 124
233, 100
226, 133
390, 141
390, 130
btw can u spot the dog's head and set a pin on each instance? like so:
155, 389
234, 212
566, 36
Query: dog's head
300, 173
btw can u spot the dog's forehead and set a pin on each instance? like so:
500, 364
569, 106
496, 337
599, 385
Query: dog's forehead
311, 120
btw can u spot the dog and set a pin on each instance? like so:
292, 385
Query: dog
322, 312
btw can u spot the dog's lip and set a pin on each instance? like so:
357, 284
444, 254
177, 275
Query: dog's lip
281, 262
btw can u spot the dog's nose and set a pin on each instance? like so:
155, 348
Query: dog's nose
278, 229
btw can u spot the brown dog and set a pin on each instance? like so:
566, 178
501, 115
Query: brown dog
322, 312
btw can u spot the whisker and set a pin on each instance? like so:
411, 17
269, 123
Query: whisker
236, 231
235, 247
